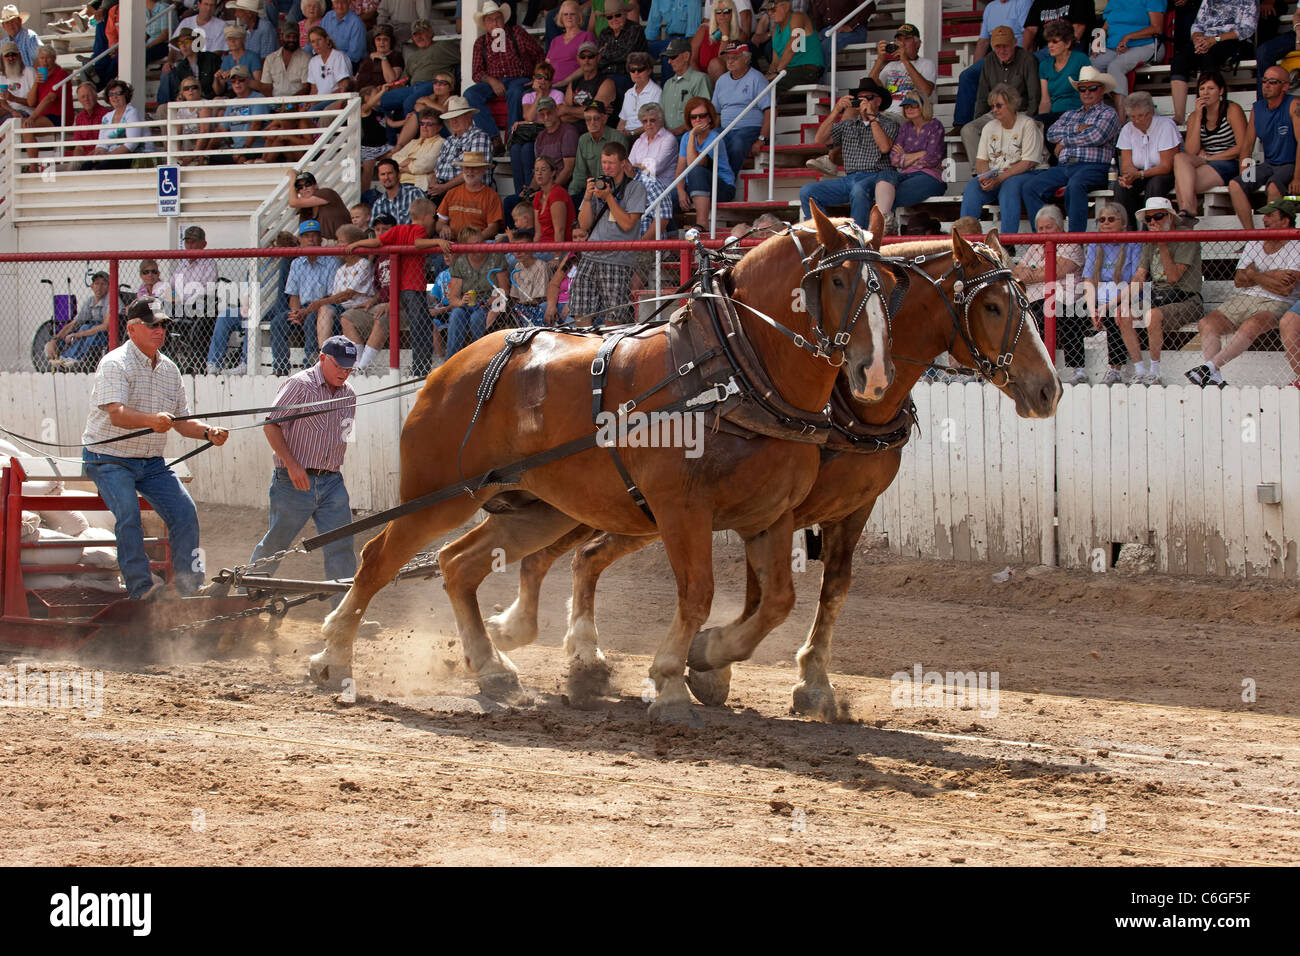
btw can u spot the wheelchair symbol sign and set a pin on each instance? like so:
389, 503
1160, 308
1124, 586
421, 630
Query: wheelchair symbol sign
169, 190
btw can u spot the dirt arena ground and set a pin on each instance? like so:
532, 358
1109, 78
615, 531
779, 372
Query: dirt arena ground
1120, 736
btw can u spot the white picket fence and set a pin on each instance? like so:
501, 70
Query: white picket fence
1176, 468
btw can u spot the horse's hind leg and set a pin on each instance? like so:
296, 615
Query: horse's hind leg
814, 695
517, 624
381, 559
588, 672
466, 561
713, 650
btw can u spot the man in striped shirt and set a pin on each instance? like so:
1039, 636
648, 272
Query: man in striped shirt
137, 387
308, 456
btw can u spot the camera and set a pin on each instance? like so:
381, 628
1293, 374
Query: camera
528, 192
891, 47
854, 99
606, 182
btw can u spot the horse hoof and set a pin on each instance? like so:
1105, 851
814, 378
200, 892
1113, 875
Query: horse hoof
680, 714
588, 682
502, 686
503, 634
710, 688
815, 701
328, 674
697, 657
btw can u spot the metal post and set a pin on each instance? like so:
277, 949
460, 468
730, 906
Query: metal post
112, 303
1049, 298
771, 146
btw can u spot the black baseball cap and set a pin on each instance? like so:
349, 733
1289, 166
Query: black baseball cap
304, 179
148, 310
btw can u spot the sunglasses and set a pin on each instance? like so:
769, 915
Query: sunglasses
1090, 88
189, 89
637, 69
614, 16
701, 116
164, 324
448, 82
1108, 218
430, 123
1156, 216
14, 56
540, 76
592, 56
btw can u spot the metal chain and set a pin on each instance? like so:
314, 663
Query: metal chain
228, 575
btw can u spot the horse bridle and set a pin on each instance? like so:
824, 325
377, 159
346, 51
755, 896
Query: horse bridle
963, 293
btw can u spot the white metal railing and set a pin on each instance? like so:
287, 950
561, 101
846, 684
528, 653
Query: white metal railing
334, 159
770, 92
162, 140
831, 31
6, 181
165, 10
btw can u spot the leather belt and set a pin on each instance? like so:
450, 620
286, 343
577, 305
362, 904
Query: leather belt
320, 471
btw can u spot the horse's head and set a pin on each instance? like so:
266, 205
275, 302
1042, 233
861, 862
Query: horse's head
844, 293
996, 333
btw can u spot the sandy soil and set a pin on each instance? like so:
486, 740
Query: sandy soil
1120, 736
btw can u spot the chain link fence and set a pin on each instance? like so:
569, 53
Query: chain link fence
267, 312
1188, 311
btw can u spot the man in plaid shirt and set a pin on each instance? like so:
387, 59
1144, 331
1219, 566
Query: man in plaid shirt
462, 137
1085, 143
609, 213
866, 139
504, 58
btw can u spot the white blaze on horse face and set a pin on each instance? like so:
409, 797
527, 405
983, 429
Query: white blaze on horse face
880, 374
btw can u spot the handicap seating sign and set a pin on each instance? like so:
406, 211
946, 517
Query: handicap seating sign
169, 190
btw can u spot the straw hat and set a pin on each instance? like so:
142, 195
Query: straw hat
457, 106
473, 157
11, 12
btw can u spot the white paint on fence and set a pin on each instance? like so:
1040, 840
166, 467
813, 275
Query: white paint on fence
1164, 466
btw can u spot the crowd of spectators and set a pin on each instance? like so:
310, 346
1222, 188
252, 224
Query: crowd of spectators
599, 113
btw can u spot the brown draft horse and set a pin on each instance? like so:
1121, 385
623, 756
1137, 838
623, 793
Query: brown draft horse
543, 399
841, 500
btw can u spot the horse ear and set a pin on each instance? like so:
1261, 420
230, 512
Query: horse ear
999, 250
961, 250
876, 224
827, 234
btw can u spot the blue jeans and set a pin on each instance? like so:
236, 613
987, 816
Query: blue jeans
968, 88
840, 40
1008, 196
737, 144
858, 190
280, 328
227, 323
522, 158
402, 99
479, 94
422, 329
119, 481
465, 326
699, 182
915, 188
1040, 186
78, 348
1270, 52
325, 502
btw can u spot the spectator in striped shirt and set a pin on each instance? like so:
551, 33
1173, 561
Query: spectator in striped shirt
1085, 142
307, 483
395, 197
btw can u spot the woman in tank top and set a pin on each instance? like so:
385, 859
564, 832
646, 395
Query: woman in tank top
1215, 133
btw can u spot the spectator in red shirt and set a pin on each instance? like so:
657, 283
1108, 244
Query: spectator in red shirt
44, 99
504, 58
92, 112
414, 300
552, 203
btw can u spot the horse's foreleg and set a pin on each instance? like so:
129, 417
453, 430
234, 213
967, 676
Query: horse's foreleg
466, 561
588, 672
688, 541
814, 695
517, 624
381, 559
714, 650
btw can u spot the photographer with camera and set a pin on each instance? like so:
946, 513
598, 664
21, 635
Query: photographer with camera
611, 212
899, 69
860, 127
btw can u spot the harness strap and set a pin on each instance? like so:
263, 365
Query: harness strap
492, 374
599, 375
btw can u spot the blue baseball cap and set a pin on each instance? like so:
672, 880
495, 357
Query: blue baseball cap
341, 349
308, 225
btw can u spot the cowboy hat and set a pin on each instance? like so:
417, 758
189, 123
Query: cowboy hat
457, 106
490, 8
252, 6
1090, 74
11, 12
868, 85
